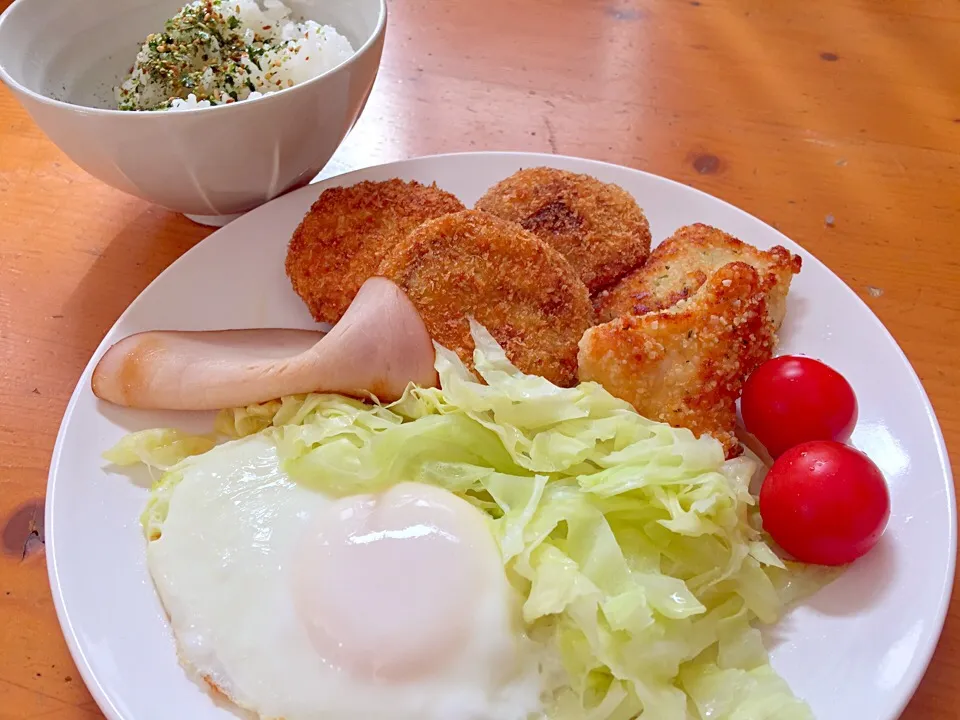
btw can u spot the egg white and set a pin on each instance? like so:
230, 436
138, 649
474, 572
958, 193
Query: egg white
222, 567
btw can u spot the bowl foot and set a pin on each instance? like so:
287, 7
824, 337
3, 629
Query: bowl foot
212, 220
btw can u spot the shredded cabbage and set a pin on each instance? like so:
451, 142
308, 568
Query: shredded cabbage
159, 448
633, 543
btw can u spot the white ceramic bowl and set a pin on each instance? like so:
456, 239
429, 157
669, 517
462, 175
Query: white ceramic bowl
62, 59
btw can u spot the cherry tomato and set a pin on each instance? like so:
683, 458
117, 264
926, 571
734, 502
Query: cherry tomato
789, 400
824, 503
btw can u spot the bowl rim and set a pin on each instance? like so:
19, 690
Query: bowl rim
375, 37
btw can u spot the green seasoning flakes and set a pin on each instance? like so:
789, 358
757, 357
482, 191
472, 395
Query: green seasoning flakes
201, 52
216, 52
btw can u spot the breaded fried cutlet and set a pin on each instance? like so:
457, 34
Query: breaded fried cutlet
597, 226
686, 365
470, 264
681, 264
343, 238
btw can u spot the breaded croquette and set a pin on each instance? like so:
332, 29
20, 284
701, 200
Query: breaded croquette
346, 234
597, 226
470, 264
681, 264
686, 365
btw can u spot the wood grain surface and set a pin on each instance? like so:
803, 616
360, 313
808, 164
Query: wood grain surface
837, 122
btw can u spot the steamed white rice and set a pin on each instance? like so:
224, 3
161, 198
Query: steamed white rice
216, 52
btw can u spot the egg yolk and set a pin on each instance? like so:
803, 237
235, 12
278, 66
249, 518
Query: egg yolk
386, 585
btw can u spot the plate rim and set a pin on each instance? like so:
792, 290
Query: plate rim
79, 658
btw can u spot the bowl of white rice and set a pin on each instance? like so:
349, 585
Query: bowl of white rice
210, 108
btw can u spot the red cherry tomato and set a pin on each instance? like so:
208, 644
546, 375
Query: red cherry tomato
789, 400
824, 503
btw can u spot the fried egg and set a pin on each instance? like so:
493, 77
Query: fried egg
298, 606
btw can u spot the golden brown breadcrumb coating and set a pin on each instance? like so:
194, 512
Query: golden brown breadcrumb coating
686, 365
523, 291
597, 226
343, 238
681, 264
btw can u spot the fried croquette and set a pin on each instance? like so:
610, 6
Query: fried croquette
686, 365
597, 226
470, 264
681, 264
343, 238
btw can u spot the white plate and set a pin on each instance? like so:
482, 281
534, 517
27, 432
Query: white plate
856, 650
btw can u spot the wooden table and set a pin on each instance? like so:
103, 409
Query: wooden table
837, 122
